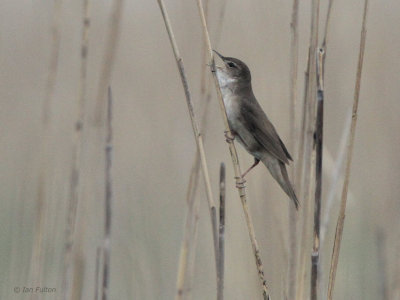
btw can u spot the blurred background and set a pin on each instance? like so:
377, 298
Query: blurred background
153, 147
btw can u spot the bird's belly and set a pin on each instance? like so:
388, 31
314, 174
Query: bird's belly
247, 140
231, 104
236, 123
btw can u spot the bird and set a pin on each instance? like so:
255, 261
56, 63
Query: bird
249, 124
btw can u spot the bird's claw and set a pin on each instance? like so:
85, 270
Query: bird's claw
240, 182
229, 136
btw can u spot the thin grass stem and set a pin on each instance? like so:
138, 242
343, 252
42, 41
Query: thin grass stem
318, 175
108, 200
76, 159
293, 220
108, 61
221, 236
350, 146
306, 153
197, 135
235, 161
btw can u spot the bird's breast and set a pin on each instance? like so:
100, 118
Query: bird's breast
231, 105
231, 99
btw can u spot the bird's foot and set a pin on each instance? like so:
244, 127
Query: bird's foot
229, 136
240, 182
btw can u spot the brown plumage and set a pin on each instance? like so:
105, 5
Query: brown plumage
250, 125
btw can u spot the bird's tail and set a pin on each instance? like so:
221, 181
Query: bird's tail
279, 172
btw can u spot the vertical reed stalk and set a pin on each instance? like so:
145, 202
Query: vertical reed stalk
108, 60
294, 58
53, 67
294, 61
203, 126
197, 135
306, 147
316, 270
326, 30
318, 175
45, 155
235, 161
186, 273
97, 274
221, 236
336, 173
76, 159
108, 201
350, 146
190, 224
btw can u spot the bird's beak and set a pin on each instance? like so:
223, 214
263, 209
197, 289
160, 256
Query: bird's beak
220, 55
222, 58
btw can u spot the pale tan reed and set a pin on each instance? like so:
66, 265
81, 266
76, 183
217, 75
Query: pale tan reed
45, 156
235, 161
199, 144
186, 265
293, 218
306, 153
108, 61
67, 281
350, 146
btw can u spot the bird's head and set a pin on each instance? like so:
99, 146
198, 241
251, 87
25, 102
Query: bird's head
233, 70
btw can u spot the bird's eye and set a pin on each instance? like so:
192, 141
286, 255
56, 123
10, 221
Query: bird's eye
231, 64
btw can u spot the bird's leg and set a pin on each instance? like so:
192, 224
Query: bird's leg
240, 181
256, 161
229, 136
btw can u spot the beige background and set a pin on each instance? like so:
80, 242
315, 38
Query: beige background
154, 146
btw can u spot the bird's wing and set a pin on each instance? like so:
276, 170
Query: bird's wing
263, 131
285, 150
